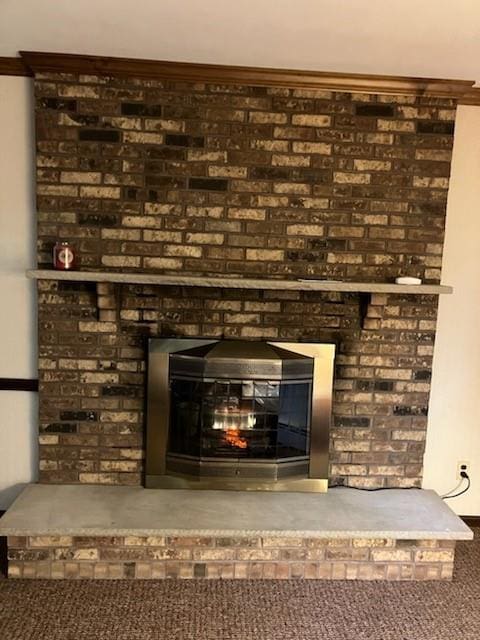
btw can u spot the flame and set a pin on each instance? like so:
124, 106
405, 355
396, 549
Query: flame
233, 438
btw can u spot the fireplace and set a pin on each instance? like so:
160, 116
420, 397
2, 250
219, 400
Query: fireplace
238, 414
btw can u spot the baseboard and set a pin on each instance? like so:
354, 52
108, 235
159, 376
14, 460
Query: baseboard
3, 552
471, 521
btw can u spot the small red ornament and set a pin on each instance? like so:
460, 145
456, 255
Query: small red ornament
63, 256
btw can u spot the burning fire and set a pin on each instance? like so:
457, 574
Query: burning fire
233, 438
230, 418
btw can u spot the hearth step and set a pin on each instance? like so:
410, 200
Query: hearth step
87, 531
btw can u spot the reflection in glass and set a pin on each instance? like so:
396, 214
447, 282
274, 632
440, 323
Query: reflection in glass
240, 419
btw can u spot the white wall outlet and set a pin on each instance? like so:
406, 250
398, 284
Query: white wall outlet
462, 465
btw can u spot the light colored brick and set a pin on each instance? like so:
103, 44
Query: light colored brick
100, 192
372, 165
65, 191
351, 178
159, 124
141, 137
396, 125
272, 255
321, 148
162, 263
200, 155
162, 236
391, 555
269, 145
243, 213
121, 261
279, 160
265, 117
305, 229
307, 120
205, 238
81, 177
50, 541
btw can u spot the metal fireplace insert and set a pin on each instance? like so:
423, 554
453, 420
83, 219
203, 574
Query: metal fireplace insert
228, 414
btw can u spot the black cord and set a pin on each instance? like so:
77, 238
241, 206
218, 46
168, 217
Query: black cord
464, 474
347, 486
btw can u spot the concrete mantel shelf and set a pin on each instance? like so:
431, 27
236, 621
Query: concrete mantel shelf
237, 283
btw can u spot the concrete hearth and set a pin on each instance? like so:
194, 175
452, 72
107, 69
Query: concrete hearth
118, 532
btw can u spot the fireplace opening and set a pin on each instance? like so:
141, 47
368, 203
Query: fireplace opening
238, 414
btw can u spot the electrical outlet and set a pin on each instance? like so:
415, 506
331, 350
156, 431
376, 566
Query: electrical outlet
462, 465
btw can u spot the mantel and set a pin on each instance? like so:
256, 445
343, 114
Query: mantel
237, 283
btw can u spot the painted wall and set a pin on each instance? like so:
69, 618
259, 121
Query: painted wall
18, 458
437, 38
454, 424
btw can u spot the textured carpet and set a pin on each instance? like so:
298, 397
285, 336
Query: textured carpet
246, 610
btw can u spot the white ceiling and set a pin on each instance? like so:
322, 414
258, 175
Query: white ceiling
429, 38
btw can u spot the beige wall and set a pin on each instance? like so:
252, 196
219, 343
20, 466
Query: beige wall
436, 38
454, 432
454, 423
17, 308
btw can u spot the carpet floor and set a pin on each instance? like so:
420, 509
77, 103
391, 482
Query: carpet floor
246, 610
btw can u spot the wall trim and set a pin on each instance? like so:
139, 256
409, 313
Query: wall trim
13, 67
471, 521
35, 62
18, 384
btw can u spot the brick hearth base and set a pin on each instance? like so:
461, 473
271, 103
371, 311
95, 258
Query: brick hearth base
237, 557
72, 531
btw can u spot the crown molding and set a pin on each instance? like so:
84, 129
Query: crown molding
13, 67
471, 97
43, 62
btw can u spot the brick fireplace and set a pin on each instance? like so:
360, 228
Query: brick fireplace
215, 180
201, 180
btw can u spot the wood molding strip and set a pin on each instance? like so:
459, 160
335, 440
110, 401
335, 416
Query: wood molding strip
471, 97
13, 67
43, 62
18, 384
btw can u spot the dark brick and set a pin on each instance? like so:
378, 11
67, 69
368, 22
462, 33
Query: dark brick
165, 153
347, 421
402, 410
130, 194
127, 392
99, 135
374, 110
87, 120
364, 385
208, 184
424, 374
436, 128
129, 569
199, 570
383, 385
165, 181
180, 140
140, 109
98, 220
330, 244
58, 103
81, 416
268, 173
59, 427
309, 256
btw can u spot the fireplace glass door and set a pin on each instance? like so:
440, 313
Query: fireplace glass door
245, 412
240, 421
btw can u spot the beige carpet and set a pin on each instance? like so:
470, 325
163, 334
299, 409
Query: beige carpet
246, 610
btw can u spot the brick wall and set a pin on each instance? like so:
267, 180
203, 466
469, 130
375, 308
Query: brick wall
255, 181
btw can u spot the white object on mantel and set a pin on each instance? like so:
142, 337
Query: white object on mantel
407, 280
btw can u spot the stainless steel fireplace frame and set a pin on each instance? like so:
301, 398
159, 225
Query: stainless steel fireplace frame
158, 421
